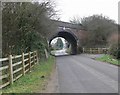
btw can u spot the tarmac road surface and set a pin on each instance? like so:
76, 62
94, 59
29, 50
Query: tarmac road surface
82, 74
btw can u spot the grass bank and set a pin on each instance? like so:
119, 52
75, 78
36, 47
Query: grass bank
109, 59
34, 81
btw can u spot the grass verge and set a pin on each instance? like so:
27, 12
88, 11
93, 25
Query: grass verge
109, 59
34, 81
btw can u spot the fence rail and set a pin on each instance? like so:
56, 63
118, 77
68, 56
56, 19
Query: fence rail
14, 67
95, 50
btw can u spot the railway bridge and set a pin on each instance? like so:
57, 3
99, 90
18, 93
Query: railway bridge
70, 32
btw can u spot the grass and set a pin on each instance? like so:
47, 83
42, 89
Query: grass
109, 59
34, 81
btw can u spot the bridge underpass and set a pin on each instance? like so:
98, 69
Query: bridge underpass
69, 37
70, 32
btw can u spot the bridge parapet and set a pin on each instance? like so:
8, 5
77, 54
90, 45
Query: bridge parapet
66, 24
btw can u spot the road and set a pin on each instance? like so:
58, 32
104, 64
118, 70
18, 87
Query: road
59, 52
82, 74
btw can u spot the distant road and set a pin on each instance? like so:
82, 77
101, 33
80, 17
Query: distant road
59, 52
81, 74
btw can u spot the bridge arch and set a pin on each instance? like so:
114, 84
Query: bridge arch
68, 36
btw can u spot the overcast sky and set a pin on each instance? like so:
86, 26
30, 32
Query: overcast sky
82, 8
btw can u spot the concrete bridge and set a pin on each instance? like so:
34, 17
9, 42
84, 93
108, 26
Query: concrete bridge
68, 31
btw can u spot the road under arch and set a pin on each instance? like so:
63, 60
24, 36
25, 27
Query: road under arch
70, 37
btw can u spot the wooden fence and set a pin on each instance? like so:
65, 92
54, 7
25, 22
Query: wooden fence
96, 50
14, 67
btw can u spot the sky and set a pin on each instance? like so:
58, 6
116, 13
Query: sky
55, 40
67, 9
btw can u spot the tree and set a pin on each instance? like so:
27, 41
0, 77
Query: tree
98, 28
114, 45
26, 26
59, 44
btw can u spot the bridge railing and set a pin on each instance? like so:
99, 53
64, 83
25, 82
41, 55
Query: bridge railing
96, 50
14, 67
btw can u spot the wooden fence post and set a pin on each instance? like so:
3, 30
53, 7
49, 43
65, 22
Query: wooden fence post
11, 69
91, 50
29, 61
46, 53
34, 57
83, 50
23, 64
99, 50
37, 57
